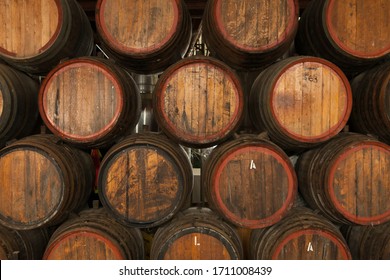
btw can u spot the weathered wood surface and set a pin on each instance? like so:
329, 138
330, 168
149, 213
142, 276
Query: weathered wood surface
89, 102
196, 234
301, 102
145, 180
250, 182
198, 101
348, 179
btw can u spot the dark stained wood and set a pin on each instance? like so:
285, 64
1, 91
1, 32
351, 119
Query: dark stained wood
144, 35
301, 102
198, 101
371, 99
250, 182
368, 242
301, 235
94, 235
145, 179
347, 179
22, 245
18, 104
38, 34
89, 102
353, 34
42, 180
250, 34
196, 234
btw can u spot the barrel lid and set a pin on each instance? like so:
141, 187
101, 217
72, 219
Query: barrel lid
311, 99
359, 28
32, 187
29, 29
308, 245
137, 27
75, 244
255, 26
358, 182
81, 100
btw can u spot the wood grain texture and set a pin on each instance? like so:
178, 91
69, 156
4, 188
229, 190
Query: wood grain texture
301, 235
89, 102
371, 99
352, 34
250, 34
347, 179
37, 35
18, 104
360, 27
368, 242
196, 234
139, 25
35, 22
144, 35
145, 180
198, 101
301, 101
94, 235
42, 182
23, 245
250, 182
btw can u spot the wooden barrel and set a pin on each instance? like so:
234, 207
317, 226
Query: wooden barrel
145, 179
198, 101
89, 102
352, 34
301, 102
301, 235
368, 242
22, 245
250, 34
18, 104
196, 234
42, 180
94, 235
249, 181
348, 179
144, 35
371, 99
37, 34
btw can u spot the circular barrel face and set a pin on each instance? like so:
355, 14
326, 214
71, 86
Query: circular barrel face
84, 244
255, 26
311, 101
199, 102
358, 27
196, 246
81, 100
142, 184
29, 27
32, 188
137, 26
1, 102
311, 244
253, 186
359, 183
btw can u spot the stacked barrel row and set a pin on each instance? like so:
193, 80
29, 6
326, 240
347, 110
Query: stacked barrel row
273, 89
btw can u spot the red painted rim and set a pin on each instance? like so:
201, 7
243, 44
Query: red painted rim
121, 48
74, 63
330, 173
291, 26
85, 232
347, 110
52, 40
343, 248
184, 136
249, 223
328, 8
